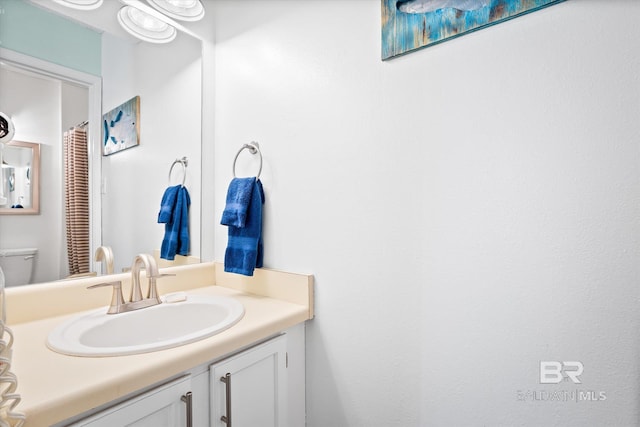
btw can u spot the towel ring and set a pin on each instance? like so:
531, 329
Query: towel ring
184, 162
253, 148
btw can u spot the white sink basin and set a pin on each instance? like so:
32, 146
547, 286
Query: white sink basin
162, 326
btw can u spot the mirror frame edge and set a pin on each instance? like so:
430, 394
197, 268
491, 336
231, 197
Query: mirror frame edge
93, 84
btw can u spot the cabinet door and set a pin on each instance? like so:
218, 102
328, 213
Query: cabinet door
160, 407
249, 389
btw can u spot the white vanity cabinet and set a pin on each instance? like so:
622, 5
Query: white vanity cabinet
264, 386
164, 406
250, 388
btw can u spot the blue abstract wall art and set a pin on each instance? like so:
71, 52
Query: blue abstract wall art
121, 127
413, 24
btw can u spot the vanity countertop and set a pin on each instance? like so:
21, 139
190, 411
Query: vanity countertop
55, 387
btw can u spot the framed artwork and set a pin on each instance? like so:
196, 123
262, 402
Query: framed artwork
413, 24
121, 127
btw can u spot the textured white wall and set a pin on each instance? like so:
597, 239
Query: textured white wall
468, 210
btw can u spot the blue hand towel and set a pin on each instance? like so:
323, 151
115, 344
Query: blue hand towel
167, 204
244, 247
238, 201
176, 229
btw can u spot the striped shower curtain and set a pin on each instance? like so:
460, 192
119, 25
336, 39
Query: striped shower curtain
76, 183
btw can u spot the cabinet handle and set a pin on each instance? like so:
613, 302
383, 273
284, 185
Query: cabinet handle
227, 390
188, 399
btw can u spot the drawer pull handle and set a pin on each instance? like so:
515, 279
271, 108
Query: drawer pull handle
227, 391
188, 399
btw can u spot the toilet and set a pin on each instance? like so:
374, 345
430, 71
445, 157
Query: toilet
18, 265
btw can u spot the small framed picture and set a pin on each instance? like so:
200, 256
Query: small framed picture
121, 127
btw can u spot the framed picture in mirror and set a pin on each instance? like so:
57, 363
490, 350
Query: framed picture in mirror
121, 127
20, 178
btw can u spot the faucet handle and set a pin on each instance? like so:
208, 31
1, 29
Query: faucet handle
117, 300
153, 288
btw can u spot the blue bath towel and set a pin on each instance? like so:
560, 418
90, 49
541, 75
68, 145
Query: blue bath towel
176, 220
244, 247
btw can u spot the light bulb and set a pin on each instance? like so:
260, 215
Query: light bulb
144, 26
184, 10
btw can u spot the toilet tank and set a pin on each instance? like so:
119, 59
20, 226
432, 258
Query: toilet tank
18, 265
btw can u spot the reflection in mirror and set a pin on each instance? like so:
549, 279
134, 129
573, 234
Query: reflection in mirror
44, 100
20, 178
134, 180
125, 188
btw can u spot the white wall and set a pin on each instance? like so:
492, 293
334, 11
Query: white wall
37, 107
468, 210
168, 80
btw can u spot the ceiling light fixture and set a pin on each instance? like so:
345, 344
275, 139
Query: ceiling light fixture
144, 26
183, 10
152, 21
80, 4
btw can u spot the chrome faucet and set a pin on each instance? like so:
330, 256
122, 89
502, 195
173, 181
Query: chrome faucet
136, 301
105, 254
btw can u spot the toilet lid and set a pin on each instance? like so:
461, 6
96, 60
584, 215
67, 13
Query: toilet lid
16, 252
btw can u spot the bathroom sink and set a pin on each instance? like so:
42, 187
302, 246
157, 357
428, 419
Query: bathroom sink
170, 324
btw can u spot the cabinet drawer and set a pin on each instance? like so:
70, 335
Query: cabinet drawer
250, 389
160, 407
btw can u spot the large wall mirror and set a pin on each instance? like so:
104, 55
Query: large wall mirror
126, 187
19, 178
